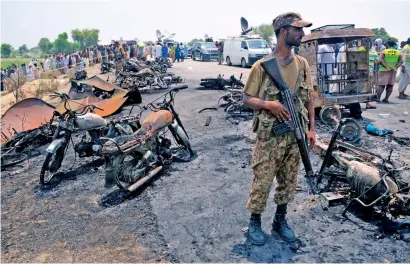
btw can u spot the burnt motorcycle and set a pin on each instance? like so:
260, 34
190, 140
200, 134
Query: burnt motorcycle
171, 78
82, 120
132, 160
145, 79
106, 66
24, 145
220, 82
165, 61
157, 66
132, 65
80, 75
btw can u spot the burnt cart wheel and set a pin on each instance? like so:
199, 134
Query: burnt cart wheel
327, 112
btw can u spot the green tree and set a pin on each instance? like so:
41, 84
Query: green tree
6, 50
45, 45
85, 38
61, 44
91, 37
23, 49
265, 31
382, 34
78, 37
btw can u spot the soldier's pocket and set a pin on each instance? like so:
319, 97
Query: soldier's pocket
304, 91
264, 131
271, 93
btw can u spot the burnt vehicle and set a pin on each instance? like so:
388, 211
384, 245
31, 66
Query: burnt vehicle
80, 75
368, 179
204, 51
220, 82
133, 160
171, 78
106, 66
24, 145
79, 118
145, 79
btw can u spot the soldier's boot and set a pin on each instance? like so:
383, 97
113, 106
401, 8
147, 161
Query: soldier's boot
281, 226
255, 230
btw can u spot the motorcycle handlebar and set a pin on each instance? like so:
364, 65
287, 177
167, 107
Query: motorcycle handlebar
179, 87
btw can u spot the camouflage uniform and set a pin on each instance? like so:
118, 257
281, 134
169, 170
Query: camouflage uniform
277, 156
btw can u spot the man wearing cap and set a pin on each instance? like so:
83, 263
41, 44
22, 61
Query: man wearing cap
278, 156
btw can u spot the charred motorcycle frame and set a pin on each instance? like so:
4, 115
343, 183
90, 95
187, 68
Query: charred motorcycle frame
132, 160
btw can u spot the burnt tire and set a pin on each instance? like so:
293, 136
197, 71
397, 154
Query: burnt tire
182, 138
46, 175
12, 159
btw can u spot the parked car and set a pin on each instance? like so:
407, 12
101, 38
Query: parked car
204, 51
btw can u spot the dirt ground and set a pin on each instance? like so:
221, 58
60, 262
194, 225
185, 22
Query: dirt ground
194, 212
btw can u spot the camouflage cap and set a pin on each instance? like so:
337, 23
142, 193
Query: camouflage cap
289, 19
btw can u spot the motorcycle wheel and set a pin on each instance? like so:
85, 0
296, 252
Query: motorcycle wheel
12, 159
27, 139
57, 157
182, 138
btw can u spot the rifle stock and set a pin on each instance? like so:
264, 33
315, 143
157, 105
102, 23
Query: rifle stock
287, 99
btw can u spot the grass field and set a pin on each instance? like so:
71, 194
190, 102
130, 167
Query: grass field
5, 62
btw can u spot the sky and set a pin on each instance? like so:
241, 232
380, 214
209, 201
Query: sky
25, 22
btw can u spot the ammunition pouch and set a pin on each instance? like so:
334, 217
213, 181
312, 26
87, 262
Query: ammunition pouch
263, 124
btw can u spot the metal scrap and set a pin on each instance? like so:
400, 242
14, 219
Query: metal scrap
111, 97
25, 115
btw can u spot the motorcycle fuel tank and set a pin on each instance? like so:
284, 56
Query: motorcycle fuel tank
90, 121
157, 120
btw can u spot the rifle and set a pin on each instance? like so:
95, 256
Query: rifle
287, 99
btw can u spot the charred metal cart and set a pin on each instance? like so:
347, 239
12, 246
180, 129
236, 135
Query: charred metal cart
347, 79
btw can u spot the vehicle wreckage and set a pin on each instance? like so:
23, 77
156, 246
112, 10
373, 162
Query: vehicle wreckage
32, 113
231, 102
137, 74
372, 180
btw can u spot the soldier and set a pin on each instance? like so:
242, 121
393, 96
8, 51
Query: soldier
119, 55
278, 156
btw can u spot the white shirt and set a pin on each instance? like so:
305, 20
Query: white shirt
326, 54
46, 64
158, 51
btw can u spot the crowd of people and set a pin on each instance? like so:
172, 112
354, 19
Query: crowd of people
61, 62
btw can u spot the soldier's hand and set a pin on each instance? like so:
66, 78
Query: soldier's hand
278, 110
311, 139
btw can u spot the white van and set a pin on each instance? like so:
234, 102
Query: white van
245, 50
